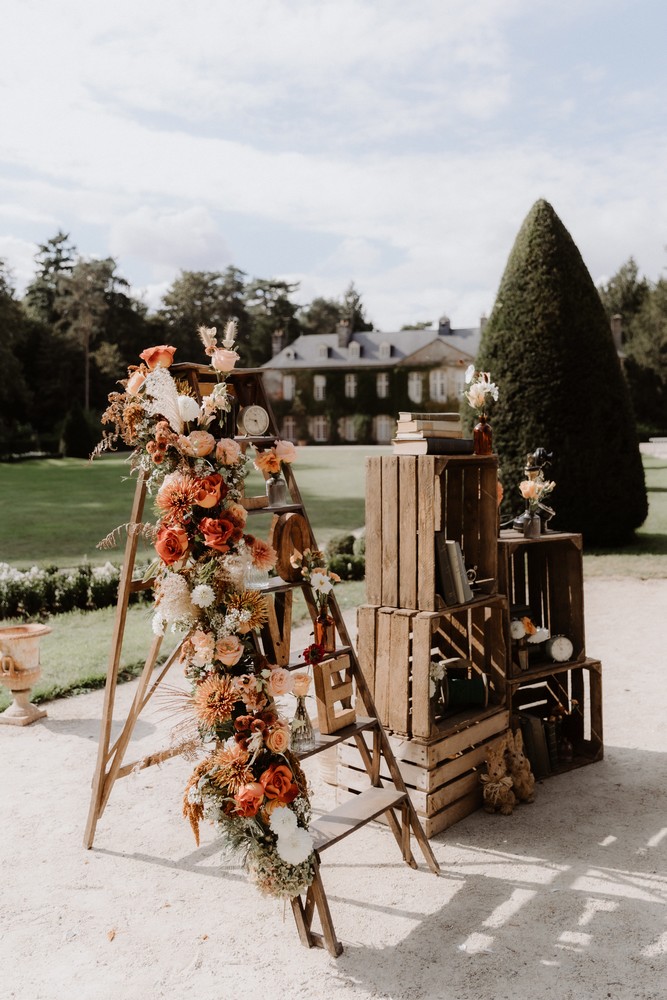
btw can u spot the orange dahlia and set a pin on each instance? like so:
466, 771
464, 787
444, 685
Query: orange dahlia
214, 700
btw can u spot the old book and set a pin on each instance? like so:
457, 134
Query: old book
535, 742
400, 435
438, 428
447, 588
433, 446
463, 590
409, 415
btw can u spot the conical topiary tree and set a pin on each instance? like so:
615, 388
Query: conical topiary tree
548, 347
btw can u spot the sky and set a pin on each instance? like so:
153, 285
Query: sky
398, 145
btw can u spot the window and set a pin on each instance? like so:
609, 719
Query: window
354, 349
384, 429
350, 386
289, 384
437, 388
289, 353
323, 351
289, 429
319, 388
383, 385
320, 428
349, 429
415, 387
385, 350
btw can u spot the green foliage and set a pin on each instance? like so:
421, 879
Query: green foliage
79, 436
647, 357
549, 348
624, 293
41, 592
348, 567
340, 545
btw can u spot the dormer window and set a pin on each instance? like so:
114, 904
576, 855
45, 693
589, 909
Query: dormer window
354, 350
385, 350
289, 354
323, 351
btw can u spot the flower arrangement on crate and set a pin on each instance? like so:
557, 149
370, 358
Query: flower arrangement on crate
311, 563
249, 783
480, 390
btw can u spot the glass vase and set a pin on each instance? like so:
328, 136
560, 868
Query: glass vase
532, 526
276, 491
303, 737
325, 632
482, 436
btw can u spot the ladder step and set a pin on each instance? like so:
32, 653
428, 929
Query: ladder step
301, 664
325, 741
137, 585
353, 814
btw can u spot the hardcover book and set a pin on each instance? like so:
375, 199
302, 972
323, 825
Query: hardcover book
433, 446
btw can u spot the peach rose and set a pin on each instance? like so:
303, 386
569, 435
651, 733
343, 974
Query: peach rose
196, 444
249, 798
135, 382
171, 544
223, 360
210, 490
285, 451
500, 492
277, 739
229, 650
227, 451
203, 645
529, 489
216, 532
300, 684
236, 513
158, 357
280, 681
267, 461
278, 784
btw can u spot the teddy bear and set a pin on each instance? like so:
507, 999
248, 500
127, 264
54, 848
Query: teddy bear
497, 783
518, 766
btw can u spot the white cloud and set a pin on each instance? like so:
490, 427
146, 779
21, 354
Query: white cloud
170, 239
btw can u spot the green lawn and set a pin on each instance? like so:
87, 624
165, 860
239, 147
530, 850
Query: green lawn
55, 511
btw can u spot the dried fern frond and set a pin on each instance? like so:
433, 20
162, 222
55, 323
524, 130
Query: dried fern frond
110, 541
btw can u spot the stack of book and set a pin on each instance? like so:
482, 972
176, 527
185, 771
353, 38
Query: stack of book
430, 434
454, 587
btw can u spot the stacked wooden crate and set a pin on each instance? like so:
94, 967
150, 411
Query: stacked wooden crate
405, 626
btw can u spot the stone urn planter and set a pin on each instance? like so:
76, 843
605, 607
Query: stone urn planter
20, 670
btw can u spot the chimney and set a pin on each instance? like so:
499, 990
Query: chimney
344, 331
617, 331
483, 320
277, 338
444, 326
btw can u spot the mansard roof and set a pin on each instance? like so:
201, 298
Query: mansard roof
406, 347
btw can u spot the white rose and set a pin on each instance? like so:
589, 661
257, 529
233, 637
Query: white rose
188, 408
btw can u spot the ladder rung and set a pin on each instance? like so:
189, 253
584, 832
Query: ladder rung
301, 664
141, 584
353, 814
325, 741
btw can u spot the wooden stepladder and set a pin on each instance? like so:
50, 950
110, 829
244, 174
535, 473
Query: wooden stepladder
336, 679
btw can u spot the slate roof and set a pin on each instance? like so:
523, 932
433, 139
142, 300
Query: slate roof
304, 352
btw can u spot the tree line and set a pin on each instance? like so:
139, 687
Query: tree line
78, 326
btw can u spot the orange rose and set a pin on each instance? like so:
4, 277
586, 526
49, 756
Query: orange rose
277, 740
278, 784
196, 444
210, 490
223, 360
135, 382
158, 357
171, 544
267, 461
216, 532
249, 798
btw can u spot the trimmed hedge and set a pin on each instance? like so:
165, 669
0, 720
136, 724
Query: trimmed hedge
39, 592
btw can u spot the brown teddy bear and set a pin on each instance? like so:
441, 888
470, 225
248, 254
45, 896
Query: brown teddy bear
497, 783
519, 768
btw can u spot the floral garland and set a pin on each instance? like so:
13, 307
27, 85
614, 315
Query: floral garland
249, 783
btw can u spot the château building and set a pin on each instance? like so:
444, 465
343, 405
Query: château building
348, 386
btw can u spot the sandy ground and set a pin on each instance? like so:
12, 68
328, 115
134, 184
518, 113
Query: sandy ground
567, 898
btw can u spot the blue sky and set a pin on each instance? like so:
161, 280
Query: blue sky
399, 145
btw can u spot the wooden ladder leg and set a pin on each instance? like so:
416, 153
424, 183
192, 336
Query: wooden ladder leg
303, 915
124, 588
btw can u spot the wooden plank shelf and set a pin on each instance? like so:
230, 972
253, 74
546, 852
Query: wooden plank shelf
286, 508
325, 742
353, 814
302, 665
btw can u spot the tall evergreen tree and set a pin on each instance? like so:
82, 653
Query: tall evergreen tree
549, 348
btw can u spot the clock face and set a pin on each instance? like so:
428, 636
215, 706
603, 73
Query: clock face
560, 648
253, 420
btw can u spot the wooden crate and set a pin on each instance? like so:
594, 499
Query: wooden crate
396, 647
540, 694
545, 576
408, 499
443, 777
